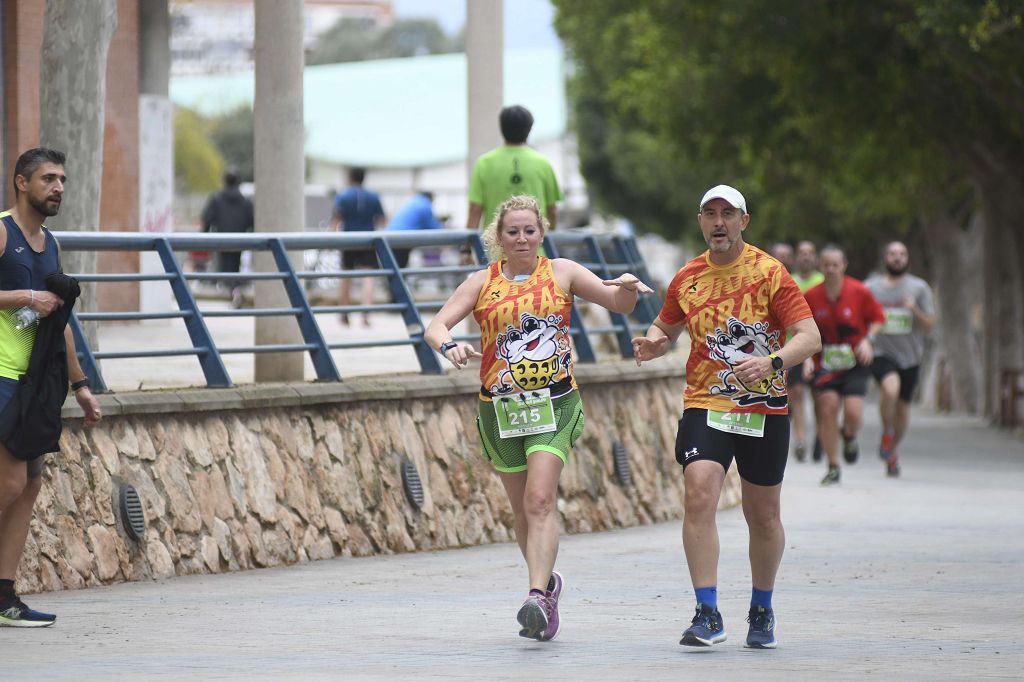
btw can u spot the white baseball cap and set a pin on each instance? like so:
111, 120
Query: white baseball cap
729, 194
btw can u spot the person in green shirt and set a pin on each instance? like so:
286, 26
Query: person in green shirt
806, 275
511, 170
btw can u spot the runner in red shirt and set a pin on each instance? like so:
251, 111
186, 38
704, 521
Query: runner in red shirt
848, 317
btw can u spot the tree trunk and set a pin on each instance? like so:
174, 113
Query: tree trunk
954, 254
1000, 188
72, 95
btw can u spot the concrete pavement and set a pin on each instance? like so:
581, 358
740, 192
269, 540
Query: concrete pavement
915, 578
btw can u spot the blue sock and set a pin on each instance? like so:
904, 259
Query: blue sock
761, 598
707, 595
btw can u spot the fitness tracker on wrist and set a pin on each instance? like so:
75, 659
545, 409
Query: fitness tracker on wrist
447, 346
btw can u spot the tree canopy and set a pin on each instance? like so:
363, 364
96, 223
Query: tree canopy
838, 120
198, 165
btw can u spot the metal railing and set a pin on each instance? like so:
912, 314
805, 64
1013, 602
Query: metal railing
605, 254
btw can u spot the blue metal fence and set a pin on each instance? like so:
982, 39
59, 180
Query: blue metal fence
606, 255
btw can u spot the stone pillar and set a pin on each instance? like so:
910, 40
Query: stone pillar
156, 147
279, 169
154, 47
485, 46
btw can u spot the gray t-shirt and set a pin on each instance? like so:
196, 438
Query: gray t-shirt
902, 338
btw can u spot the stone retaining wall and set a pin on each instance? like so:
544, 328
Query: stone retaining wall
269, 475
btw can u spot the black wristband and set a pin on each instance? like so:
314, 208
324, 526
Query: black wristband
447, 346
80, 384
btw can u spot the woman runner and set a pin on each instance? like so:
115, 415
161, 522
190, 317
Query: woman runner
530, 413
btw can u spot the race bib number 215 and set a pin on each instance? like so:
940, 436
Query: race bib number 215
524, 413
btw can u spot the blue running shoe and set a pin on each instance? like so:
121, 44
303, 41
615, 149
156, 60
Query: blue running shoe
14, 613
761, 634
705, 629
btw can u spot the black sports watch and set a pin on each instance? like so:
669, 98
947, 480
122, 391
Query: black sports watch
447, 346
776, 362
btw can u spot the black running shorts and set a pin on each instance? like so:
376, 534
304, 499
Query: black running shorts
908, 377
759, 460
852, 382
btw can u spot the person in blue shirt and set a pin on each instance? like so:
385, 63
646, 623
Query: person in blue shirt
415, 214
357, 209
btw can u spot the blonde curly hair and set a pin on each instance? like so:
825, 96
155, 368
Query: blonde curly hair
522, 202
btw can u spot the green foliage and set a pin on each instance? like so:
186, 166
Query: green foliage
839, 121
198, 166
353, 40
233, 135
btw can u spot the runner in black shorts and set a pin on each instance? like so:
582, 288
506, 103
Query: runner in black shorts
909, 316
848, 317
739, 306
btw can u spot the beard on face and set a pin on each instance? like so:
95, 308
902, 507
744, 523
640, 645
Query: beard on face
896, 271
710, 241
44, 207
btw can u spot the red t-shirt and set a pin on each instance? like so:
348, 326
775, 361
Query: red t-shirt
847, 319
732, 312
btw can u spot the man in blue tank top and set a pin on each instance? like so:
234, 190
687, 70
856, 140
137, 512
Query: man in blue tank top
28, 253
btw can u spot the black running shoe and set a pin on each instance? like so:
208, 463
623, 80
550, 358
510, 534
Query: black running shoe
817, 452
801, 452
832, 477
851, 451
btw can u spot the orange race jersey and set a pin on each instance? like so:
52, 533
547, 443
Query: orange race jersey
524, 333
733, 312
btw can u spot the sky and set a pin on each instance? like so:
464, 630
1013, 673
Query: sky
528, 23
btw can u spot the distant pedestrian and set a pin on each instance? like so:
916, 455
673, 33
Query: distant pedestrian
415, 214
357, 209
512, 169
227, 210
783, 253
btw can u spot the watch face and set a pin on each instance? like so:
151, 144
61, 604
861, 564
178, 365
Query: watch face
777, 362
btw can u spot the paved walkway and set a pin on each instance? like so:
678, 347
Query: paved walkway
916, 578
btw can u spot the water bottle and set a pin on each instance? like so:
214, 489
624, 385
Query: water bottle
24, 316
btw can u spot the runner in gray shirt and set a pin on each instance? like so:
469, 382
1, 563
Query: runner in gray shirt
909, 315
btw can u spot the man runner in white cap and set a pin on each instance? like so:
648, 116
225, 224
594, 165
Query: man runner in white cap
738, 305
